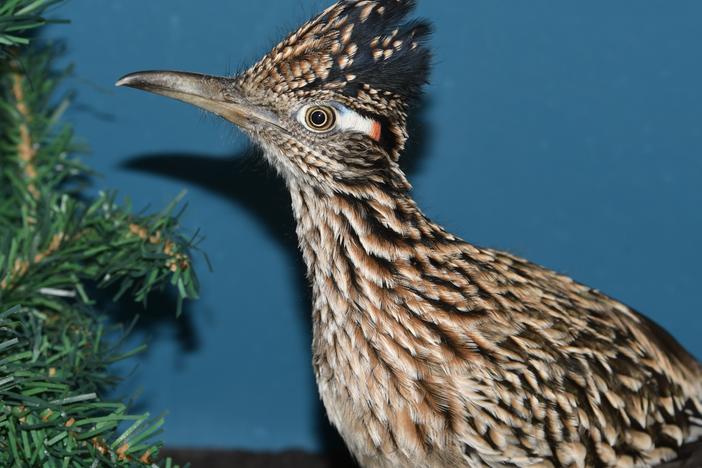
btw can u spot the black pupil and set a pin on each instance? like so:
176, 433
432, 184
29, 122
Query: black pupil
318, 118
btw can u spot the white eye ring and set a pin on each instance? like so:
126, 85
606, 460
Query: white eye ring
319, 118
322, 118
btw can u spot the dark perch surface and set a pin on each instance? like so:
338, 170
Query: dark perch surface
199, 458
691, 457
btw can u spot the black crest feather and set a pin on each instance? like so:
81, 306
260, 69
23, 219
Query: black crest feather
353, 46
406, 69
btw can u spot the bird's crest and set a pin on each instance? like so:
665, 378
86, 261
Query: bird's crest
364, 49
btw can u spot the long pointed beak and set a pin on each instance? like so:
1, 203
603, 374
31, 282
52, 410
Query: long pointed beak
212, 93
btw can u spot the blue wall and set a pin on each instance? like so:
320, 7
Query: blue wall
567, 132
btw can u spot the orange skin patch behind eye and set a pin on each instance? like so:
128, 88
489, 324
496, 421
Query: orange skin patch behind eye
375, 131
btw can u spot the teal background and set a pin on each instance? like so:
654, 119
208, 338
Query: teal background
567, 132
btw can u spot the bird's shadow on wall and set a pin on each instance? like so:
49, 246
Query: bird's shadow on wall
244, 179
161, 307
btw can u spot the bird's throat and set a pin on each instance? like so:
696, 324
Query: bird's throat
358, 246
372, 230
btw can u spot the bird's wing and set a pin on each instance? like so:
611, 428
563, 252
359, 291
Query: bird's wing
581, 358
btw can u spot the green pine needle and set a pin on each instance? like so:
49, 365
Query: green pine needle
59, 253
17, 17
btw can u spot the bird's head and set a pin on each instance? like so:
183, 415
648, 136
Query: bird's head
329, 104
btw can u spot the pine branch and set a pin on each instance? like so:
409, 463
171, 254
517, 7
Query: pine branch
57, 247
18, 17
50, 412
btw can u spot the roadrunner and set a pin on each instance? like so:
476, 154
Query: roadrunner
429, 351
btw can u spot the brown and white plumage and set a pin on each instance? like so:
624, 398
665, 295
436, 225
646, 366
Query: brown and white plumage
430, 351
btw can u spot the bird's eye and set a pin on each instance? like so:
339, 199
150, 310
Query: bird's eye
320, 118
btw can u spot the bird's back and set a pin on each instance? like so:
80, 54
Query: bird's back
580, 375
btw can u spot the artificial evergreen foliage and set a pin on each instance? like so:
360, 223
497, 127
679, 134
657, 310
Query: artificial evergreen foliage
60, 250
19, 16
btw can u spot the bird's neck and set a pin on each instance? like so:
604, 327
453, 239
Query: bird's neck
358, 247
361, 233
